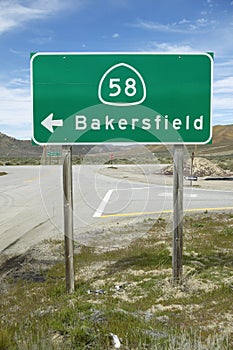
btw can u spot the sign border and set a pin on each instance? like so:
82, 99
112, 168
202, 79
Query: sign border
34, 55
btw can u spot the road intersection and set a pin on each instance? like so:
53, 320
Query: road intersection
31, 202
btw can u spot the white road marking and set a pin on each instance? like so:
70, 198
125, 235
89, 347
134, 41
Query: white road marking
103, 204
131, 188
98, 213
165, 194
170, 194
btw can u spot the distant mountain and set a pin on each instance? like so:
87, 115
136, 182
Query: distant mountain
222, 143
11, 147
223, 134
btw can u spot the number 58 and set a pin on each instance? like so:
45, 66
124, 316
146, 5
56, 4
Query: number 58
130, 87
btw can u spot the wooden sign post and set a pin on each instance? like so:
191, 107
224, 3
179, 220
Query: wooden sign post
177, 213
68, 218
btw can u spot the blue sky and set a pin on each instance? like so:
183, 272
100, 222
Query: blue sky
109, 25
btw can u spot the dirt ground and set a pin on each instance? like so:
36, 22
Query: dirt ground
151, 175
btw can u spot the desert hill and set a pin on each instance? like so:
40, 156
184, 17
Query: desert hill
11, 147
222, 145
223, 134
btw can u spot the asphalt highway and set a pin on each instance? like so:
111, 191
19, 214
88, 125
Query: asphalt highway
31, 203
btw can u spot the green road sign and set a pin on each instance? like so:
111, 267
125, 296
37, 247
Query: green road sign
90, 98
54, 154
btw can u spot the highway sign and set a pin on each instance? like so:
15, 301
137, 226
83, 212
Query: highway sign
90, 98
54, 154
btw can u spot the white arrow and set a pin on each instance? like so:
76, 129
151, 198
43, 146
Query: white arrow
48, 122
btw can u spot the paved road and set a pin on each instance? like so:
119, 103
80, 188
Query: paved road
22, 215
31, 203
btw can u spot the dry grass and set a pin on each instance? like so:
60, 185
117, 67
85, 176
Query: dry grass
129, 292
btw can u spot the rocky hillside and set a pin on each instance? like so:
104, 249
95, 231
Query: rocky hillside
11, 147
222, 144
201, 167
223, 134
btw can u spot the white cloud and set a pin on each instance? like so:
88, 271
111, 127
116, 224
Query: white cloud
23, 54
151, 25
223, 100
202, 21
15, 13
15, 106
223, 118
115, 35
167, 47
224, 86
223, 103
225, 63
184, 21
41, 40
16, 82
184, 26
